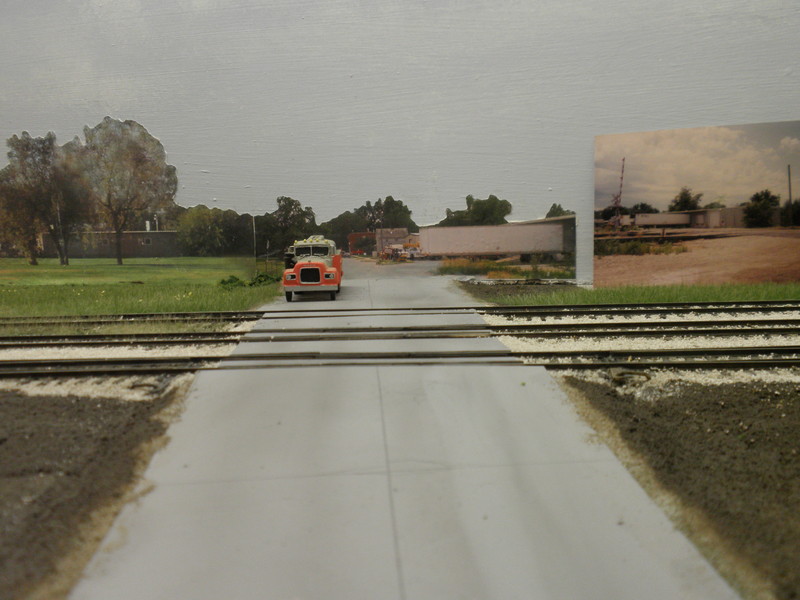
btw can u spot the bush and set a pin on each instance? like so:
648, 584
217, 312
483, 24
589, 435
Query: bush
634, 247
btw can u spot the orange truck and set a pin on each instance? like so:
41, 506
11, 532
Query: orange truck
312, 265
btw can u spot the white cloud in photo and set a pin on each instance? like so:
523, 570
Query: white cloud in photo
728, 164
792, 144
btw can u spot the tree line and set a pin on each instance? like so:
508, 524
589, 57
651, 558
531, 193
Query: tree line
758, 211
207, 231
108, 180
117, 177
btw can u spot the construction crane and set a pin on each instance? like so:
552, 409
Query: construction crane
616, 200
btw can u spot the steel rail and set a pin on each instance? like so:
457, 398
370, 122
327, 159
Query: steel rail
303, 313
535, 330
742, 356
523, 331
128, 339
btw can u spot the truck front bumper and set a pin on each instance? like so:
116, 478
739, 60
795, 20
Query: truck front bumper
310, 287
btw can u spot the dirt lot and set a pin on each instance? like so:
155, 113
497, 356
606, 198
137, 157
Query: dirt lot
721, 456
750, 256
67, 465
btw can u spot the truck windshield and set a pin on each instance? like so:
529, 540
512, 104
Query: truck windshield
311, 250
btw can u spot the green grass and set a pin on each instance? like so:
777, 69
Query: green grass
561, 295
105, 271
101, 287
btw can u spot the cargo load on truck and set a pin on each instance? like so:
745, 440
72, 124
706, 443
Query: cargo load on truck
312, 265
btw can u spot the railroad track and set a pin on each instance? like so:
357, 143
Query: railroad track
763, 321
738, 357
521, 311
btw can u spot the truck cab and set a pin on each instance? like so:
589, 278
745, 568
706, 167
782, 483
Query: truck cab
312, 265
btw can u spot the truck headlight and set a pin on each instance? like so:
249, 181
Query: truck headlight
330, 275
291, 276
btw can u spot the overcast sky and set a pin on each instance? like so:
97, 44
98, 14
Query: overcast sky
332, 103
725, 164
336, 102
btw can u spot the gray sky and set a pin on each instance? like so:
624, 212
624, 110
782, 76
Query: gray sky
726, 164
336, 102
332, 103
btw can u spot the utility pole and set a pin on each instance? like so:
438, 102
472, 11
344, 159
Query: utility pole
255, 247
791, 205
617, 199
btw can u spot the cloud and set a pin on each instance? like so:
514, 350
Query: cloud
715, 161
790, 144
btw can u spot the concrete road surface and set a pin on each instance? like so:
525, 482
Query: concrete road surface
390, 482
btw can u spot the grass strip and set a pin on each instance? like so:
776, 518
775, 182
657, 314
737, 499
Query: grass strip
559, 295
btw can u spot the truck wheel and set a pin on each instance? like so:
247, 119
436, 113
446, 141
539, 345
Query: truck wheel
288, 296
333, 295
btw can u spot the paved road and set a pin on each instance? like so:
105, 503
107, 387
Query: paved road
391, 482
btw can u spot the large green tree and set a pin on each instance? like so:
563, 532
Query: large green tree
19, 214
491, 211
200, 232
397, 215
685, 200
759, 211
126, 169
290, 222
204, 231
43, 191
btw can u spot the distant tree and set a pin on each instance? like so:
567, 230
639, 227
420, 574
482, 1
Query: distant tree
200, 232
128, 174
43, 192
395, 214
758, 212
372, 214
290, 222
609, 211
790, 213
685, 200
338, 228
204, 231
492, 211
19, 213
715, 204
643, 208
557, 211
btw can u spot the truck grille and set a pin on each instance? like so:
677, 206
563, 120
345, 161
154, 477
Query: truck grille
309, 275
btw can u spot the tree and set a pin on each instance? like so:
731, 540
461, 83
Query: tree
758, 212
290, 222
20, 215
556, 210
714, 204
685, 200
643, 208
372, 214
610, 211
128, 174
43, 192
790, 213
338, 228
200, 232
492, 211
397, 215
